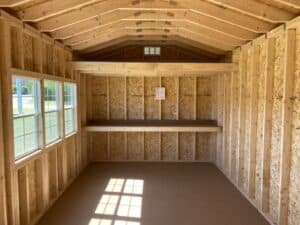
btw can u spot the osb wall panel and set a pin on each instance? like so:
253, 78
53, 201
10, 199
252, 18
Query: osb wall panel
226, 122
169, 146
247, 100
33, 183
117, 88
100, 146
187, 97
204, 97
152, 146
99, 98
294, 196
235, 79
117, 145
220, 109
152, 106
276, 127
204, 147
136, 97
277, 107
260, 117
187, 146
135, 146
170, 104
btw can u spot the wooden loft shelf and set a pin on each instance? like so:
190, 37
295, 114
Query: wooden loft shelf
153, 126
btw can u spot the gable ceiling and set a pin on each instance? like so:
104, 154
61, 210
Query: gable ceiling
215, 26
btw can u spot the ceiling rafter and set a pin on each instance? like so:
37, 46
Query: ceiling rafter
52, 8
12, 3
133, 15
154, 25
256, 9
209, 9
291, 3
163, 32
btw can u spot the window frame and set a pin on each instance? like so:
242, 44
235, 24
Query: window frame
74, 107
152, 51
37, 115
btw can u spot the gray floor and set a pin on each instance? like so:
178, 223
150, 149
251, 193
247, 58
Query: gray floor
172, 194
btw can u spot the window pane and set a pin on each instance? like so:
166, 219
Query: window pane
51, 95
69, 107
51, 126
25, 113
24, 94
25, 135
69, 121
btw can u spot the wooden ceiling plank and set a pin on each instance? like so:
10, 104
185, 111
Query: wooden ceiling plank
257, 9
204, 8
191, 17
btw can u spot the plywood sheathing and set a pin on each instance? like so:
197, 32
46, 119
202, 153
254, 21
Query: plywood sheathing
135, 96
34, 182
294, 192
274, 189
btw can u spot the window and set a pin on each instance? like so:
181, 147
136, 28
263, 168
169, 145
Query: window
69, 107
26, 112
51, 110
150, 51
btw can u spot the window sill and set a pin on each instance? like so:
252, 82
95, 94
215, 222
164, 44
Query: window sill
71, 134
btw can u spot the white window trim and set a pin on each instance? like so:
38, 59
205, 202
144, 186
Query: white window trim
74, 107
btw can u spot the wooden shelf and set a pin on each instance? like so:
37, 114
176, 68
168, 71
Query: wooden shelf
153, 126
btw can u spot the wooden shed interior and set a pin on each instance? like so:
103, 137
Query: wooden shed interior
143, 112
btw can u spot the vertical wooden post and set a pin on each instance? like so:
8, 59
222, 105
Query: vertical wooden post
3, 210
11, 178
287, 115
253, 120
241, 123
267, 124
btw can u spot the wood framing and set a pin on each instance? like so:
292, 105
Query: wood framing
152, 69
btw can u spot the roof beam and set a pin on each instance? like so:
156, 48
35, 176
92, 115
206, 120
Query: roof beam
102, 38
152, 69
137, 16
201, 7
47, 9
291, 3
81, 9
256, 9
153, 25
12, 3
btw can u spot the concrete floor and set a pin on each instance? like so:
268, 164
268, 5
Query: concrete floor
172, 194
